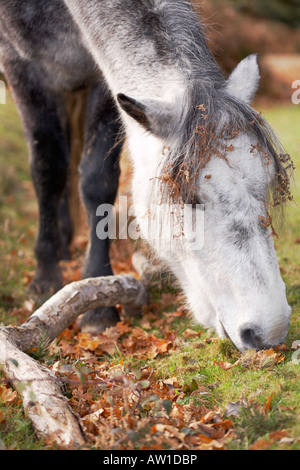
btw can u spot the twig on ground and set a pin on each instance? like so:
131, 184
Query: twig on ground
49, 411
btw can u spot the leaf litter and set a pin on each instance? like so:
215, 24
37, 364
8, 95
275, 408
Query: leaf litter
124, 402
112, 383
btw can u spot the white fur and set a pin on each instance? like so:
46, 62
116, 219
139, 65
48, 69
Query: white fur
225, 287
243, 81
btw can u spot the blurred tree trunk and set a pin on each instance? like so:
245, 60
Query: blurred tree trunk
76, 105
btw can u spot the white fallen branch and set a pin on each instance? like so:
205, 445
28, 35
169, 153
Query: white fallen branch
55, 315
49, 411
46, 407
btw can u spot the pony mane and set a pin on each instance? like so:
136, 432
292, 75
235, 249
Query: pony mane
212, 118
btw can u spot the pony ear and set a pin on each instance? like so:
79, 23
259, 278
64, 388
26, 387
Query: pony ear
154, 116
135, 109
244, 80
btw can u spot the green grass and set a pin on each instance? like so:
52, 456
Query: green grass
18, 211
285, 121
16, 430
194, 361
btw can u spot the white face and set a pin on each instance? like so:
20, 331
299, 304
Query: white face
231, 278
232, 281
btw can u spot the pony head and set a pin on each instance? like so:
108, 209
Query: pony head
207, 151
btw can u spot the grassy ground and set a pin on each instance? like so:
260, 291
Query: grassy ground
266, 388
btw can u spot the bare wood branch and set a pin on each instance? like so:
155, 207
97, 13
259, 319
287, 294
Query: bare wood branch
55, 315
48, 409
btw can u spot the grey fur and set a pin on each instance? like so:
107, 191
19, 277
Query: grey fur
44, 34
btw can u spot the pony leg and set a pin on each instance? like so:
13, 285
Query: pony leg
65, 225
99, 172
46, 140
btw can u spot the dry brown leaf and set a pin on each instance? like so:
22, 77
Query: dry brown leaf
265, 443
207, 443
282, 347
145, 345
7, 395
92, 420
123, 328
67, 349
172, 381
265, 358
278, 435
96, 344
269, 401
145, 323
171, 430
87, 342
188, 333
178, 313
227, 365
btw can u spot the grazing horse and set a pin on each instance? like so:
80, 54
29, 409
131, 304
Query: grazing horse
194, 141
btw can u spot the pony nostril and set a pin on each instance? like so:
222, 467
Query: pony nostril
251, 336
